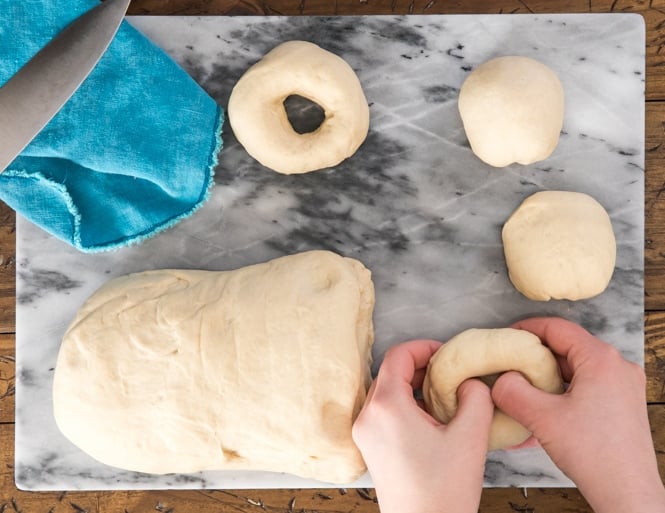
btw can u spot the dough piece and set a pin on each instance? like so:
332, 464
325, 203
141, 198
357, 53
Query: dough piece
512, 110
559, 245
261, 368
258, 117
487, 352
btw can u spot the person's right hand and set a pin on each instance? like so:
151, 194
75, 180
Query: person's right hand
597, 432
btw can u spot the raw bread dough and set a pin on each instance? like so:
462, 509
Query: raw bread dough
260, 123
486, 352
261, 368
559, 245
512, 110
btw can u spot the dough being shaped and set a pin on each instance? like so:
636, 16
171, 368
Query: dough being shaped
260, 123
261, 368
512, 110
487, 352
559, 245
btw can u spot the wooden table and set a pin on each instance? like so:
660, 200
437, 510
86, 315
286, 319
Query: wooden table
360, 501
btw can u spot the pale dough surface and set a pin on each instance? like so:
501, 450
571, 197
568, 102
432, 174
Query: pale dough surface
487, 352
260, 123
512, 110
261, 368
559, 245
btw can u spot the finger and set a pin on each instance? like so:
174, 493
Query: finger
564, 338
370, 392
565, 367
415, 353
474, 410
400, 368
392, 393
530, 442
418, 379
516, 397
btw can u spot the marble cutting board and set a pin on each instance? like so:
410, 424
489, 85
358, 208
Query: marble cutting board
413, 204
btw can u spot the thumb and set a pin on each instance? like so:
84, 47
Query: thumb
515, 396
474, 409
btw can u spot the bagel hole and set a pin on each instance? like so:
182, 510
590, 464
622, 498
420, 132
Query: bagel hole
489, 379
304, 115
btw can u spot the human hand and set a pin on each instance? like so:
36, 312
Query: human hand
418, 464
598, 431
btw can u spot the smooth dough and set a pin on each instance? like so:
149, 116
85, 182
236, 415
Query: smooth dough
559, 245
261, 368
512, 110
487, 352
260, 123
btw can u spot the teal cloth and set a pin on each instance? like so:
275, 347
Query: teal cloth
130, 154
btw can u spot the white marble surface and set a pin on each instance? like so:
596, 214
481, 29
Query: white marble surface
413, 204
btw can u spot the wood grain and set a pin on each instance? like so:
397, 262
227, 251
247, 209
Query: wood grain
654, 357
655, 52
7, 269
654, 253
329, 7
7, 378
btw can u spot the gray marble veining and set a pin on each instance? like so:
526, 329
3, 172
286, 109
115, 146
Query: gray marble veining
413, 204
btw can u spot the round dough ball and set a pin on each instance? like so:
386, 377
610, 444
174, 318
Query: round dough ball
559, 245
512, 110
487, 352
259, 119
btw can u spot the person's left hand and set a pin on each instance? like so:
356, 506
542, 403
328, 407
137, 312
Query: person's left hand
418, 464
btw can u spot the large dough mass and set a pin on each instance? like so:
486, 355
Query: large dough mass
262, 368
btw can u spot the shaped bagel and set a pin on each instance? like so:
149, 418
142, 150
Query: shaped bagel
260, 122
486, 353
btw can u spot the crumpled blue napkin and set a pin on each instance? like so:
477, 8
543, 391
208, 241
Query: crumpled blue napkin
131, 153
